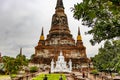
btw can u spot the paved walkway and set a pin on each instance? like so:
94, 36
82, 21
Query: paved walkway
69, 77
79, 75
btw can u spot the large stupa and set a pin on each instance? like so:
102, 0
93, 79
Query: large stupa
61, 39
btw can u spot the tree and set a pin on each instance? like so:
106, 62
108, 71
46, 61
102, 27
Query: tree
13, 65
36, 59
22, 60
32, 56
103, 16
108, 58
117, 59
10, 65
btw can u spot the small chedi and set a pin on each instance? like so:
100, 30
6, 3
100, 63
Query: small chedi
61, 65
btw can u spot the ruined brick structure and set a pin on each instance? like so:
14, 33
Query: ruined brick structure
60, 39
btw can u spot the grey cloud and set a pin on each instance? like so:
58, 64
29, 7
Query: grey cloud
21, 22
17, 24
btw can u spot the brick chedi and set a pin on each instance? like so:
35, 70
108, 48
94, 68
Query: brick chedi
61, 39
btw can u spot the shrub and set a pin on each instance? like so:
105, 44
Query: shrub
94, 72
13, 75
119, 73
2, 72
33, 69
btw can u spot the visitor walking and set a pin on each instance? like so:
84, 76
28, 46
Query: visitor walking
45, 78
60, 77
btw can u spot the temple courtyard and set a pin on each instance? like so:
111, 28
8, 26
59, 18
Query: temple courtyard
59, 53
75, 75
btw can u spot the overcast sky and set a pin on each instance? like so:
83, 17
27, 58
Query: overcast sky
21, 22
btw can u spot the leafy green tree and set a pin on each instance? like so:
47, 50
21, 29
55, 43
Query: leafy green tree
117, 59
37, 59
22, 60
10, 65
103, 16
13, 65
32, 56
108, 58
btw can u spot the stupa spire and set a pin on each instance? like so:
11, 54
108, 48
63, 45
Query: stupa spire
42, 35
20, 51
0, 54
78, 30
0, 58
79, 35
59, 4
59, 25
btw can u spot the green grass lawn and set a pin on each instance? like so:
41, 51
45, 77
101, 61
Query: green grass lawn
2, 77
50, 77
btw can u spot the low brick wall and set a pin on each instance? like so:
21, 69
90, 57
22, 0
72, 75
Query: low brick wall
26, 77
